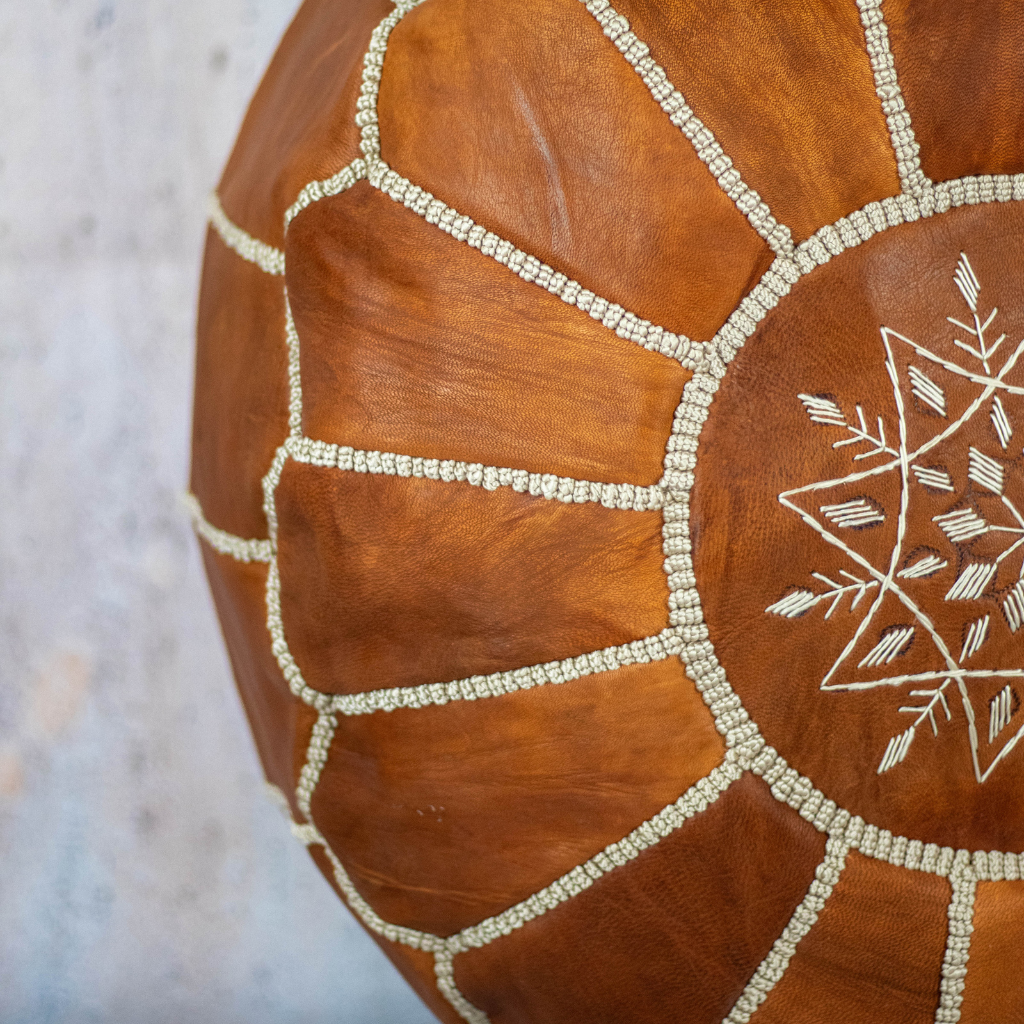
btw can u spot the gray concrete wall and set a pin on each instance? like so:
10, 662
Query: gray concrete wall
144, 877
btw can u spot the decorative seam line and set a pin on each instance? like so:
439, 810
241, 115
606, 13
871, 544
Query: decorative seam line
638, 54
770, 971
310, 835
639, 652
958, 944
566, 489
335, 185
226, 543
897, 117
266, 257
694, 801
464, 229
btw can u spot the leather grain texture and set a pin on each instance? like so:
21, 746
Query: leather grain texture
615, 509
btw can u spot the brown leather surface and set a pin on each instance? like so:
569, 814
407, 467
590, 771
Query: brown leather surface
301, 123
789, 93
960, 68
525, 117
274, 714
416, 966
569, 157
874, 954
509, 375
994, 989
388, 581
446, 815
758, 441
241, 398
679, 931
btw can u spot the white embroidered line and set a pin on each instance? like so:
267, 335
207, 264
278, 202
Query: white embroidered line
226, 543
976, 635
897, 117
638, 54
1001, 422
770, 971
967, 281
961, 524
823, 409
984, 471
958, 945
854, 514
934, 477
1013, 607
445, 971
972, 582
639, 652
892, 645
925, 389
565, 489
266, 257
929, 565
999, 712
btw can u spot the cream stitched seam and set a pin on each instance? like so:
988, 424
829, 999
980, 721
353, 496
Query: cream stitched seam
332, 186
770, 971
554, 673
887, 86
568, 490
266, 257
958, 943
638, 54
694, 801
464, 229
220, 540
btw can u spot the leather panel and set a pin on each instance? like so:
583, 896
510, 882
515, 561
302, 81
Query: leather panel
395, 582
300, 126
874, 955
569, 157
413, 342
240, 412
789, 93
444, 816
960, 69
675, 934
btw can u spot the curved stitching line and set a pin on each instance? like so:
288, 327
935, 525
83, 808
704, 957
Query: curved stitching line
239, 548
266, 257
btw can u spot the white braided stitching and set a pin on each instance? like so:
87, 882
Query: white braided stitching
266, 257
897, 117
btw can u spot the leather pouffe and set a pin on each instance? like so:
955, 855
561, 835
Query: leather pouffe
609, 464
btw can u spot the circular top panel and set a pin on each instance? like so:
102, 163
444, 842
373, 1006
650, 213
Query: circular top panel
858, 527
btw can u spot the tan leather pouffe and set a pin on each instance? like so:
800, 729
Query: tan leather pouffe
609, 464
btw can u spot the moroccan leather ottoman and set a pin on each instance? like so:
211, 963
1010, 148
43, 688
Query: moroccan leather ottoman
609, 464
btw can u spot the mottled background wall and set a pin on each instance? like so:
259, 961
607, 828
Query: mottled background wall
144, 877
